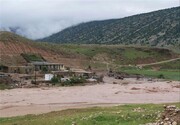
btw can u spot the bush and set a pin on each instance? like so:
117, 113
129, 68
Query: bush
76, 80
161, 76
55, 80
29, 57
73, 81
5, 86
67, 83
44, 69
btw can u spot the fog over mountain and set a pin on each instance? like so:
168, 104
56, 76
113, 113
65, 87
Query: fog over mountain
37, 19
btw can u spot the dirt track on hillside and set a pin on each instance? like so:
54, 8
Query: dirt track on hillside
23, 101
161, 62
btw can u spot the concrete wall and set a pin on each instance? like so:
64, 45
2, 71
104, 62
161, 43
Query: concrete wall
49, 67
21, 69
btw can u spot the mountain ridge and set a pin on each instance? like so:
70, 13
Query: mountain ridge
158, 28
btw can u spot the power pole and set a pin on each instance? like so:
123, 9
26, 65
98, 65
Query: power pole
34, 74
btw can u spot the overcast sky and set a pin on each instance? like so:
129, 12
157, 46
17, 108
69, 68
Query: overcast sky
40, 18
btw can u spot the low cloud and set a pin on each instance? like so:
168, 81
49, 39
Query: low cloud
40, 18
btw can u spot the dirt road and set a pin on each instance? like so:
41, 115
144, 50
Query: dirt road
23, 101
161, 62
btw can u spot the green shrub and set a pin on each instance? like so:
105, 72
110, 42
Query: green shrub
161, 76
55, 80
44, 69
76, 80
73, 81
67, 83
4, 86
29, 57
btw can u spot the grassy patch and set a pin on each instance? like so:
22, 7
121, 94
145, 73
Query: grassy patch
118, 115
6, 37
32, 57
4, 86
115, 53
134, 53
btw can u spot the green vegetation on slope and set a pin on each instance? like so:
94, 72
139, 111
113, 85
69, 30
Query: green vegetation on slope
169, 70
159, 28
7, 36
32, 57
115, 54
121, 55
118, 115
97, 56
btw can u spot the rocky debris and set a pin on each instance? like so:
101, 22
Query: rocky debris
152, 90
115, 83
151, 124
117, 92
74, 123
170, 116
6, 79
139, 109
134, 88
125, 83
122, 75
176, 86
119, 77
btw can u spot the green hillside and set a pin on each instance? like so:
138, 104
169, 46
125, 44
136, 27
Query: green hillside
15, 45
115, 54
159, 28
17, 50
6, 36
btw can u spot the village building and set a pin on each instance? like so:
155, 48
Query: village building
31, 67
17, 69
40, 66
21, 69
69, 73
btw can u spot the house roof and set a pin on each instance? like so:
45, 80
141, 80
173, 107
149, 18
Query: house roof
45, 63
66, 71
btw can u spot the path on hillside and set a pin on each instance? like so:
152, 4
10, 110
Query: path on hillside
141, 65
161, 62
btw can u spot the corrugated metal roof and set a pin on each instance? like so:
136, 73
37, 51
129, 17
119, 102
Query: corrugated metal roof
45, 63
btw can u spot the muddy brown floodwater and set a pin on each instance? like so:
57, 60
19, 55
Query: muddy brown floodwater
17, 102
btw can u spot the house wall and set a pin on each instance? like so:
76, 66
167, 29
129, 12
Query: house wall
21, 70
50, 67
